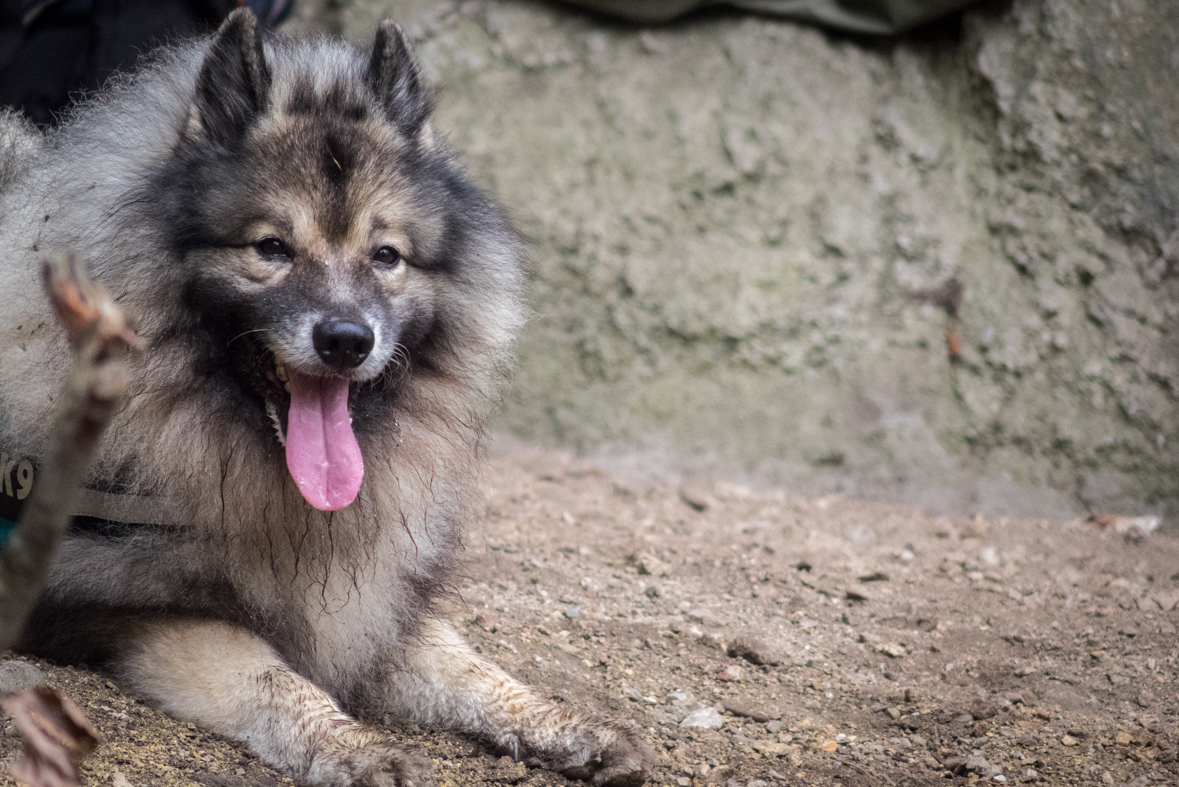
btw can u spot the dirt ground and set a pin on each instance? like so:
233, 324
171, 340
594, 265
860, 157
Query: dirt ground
834, 641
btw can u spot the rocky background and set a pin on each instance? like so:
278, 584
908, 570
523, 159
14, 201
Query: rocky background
938, 270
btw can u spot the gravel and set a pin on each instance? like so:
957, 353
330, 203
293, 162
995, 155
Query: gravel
785, 673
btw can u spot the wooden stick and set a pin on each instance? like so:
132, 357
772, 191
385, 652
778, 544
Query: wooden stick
91, 395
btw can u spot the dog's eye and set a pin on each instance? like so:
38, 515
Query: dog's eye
386, 257
272, 247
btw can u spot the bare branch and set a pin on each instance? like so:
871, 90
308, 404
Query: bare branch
90, 396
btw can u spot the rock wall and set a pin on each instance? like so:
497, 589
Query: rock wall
748, 235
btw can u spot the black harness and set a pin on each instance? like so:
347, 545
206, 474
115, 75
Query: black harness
17, 477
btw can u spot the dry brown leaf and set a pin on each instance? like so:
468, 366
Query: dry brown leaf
953, 344
57, 737
1102, 521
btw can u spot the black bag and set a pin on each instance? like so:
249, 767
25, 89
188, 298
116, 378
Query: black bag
53, 50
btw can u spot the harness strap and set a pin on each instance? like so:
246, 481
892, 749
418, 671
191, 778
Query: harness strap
108, 511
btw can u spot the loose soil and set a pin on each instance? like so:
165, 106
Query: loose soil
836, 641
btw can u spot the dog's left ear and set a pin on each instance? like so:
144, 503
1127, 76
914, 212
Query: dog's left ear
394, 76
234, 84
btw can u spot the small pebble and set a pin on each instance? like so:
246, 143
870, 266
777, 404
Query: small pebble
487, 622
572, 612
696, 496
749, 712
955, 765
976, 763
982, 710
731, 672
17, 675
649, 565
1069, 740
754, 651
708, 718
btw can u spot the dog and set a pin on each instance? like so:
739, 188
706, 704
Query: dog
329, 307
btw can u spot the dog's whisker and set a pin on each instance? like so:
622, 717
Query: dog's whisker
245, 333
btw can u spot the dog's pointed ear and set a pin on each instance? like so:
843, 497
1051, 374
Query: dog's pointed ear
234, 83
394, 76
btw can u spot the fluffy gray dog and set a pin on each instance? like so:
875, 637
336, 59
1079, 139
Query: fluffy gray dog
329, 306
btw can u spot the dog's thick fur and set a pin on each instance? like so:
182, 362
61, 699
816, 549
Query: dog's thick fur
237, 604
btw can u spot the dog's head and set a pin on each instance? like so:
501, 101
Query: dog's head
334, 250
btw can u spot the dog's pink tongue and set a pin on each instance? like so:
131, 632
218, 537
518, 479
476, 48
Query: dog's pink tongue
322, 453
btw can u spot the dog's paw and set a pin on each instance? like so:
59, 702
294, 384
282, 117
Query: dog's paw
397, 768
605, 755
364, 757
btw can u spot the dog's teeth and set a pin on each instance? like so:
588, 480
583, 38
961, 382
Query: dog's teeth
280, 370
272, 411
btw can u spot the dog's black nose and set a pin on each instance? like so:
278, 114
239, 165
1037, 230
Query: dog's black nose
342, 344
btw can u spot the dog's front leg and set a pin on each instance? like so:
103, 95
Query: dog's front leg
232, 682
437, 679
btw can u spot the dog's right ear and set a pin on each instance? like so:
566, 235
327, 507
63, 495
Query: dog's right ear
234, 83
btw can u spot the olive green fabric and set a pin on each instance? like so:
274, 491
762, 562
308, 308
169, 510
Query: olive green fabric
876, 17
